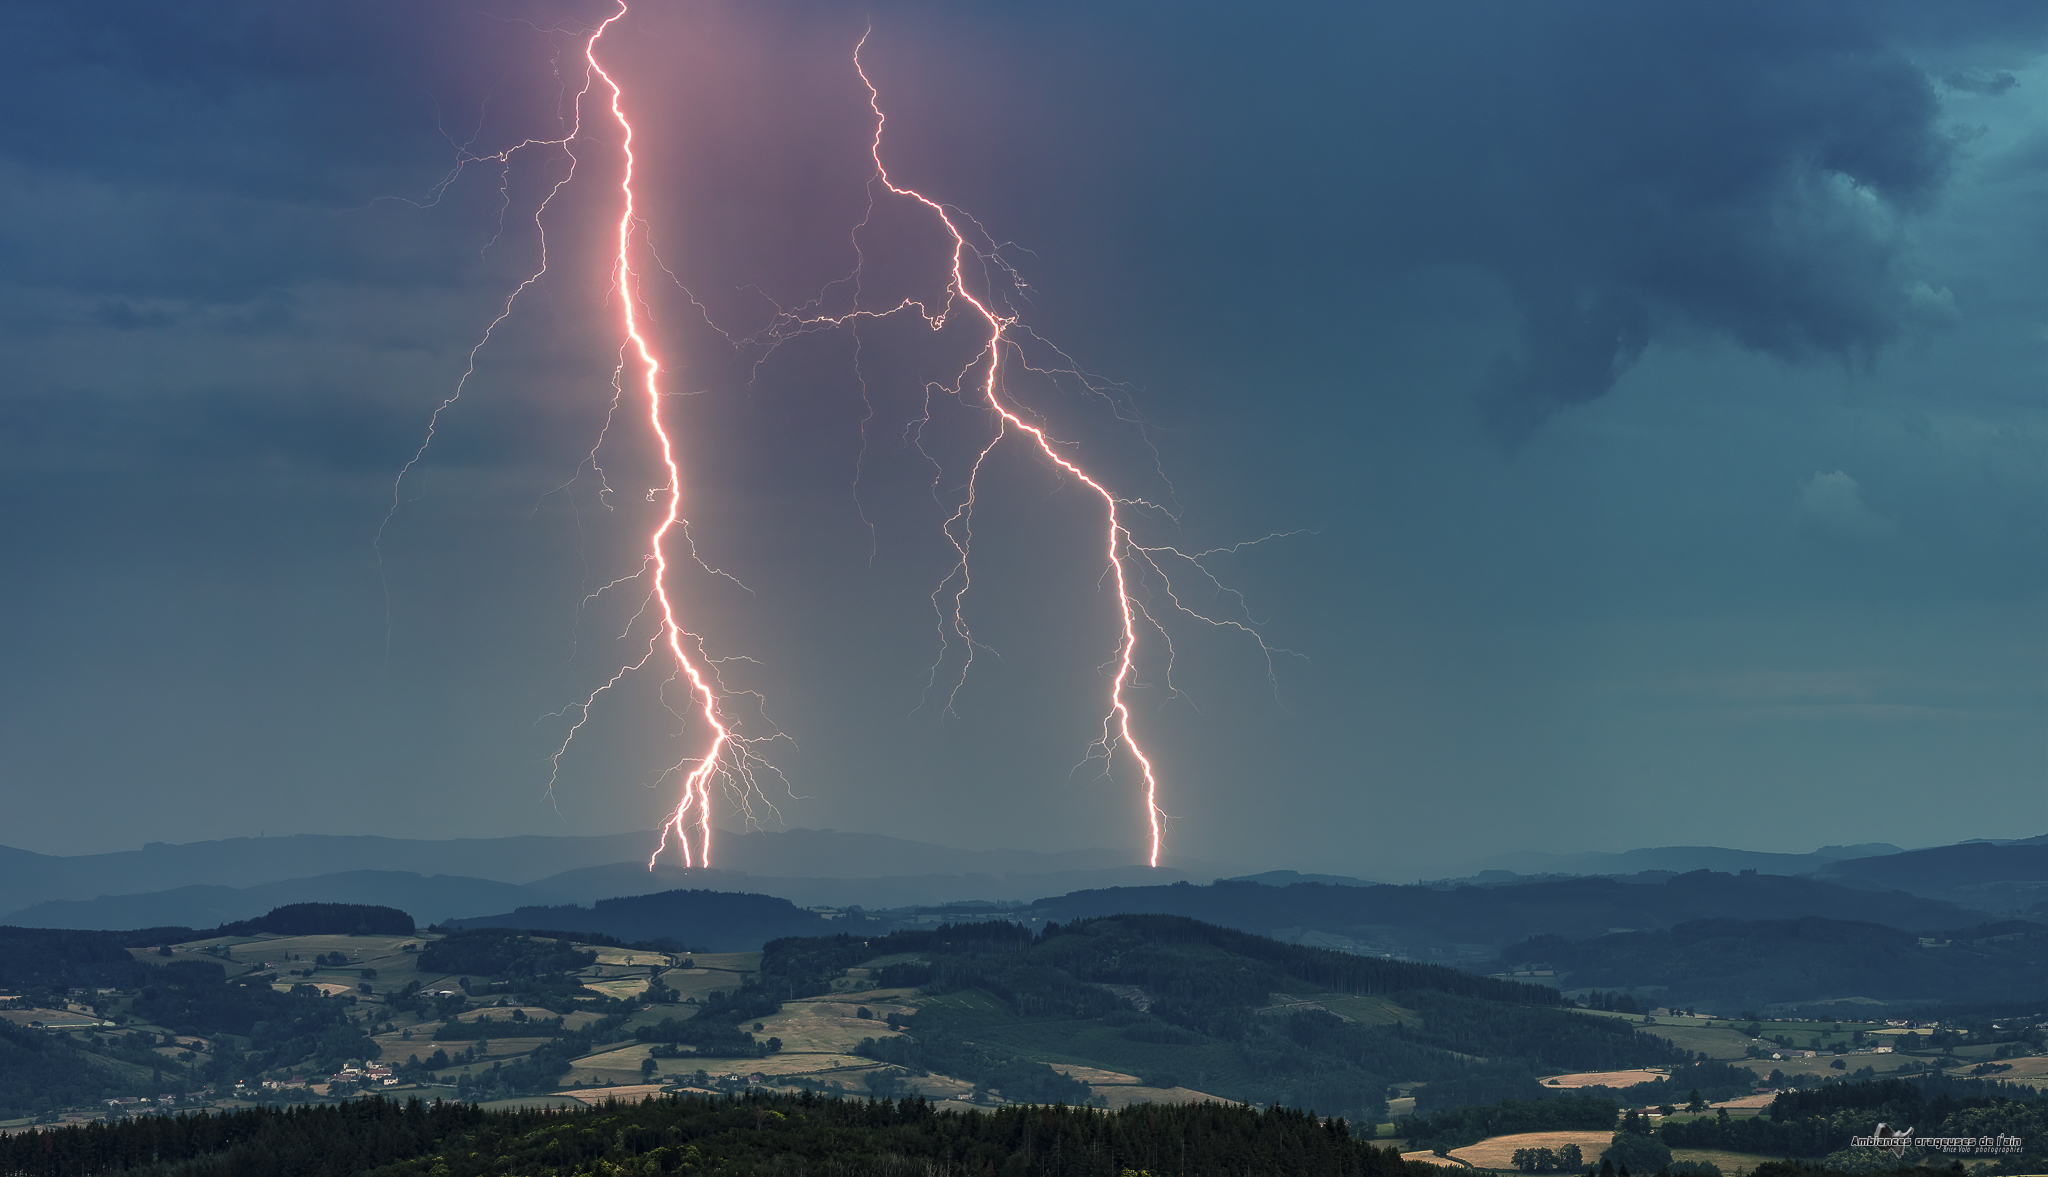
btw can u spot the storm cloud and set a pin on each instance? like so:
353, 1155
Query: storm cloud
1581, 348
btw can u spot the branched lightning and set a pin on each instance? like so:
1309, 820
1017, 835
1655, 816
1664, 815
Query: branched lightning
1006, 339
724, 754
982, 287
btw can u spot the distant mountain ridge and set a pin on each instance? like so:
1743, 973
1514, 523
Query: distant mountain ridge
1679, 860
1467, 924
28, 878
1995, 876
1730, 965
702, 921
438, 898
428, 899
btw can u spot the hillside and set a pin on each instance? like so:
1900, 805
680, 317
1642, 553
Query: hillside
2008, 877
1178, 1003
809, 866
1678, 859
1732, 965
706, 921
427, 898
1107, 1011
1469, 925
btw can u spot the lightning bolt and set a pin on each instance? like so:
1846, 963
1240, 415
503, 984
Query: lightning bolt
724, 744
1123, 556
1116, 725
723, 755
1132, 569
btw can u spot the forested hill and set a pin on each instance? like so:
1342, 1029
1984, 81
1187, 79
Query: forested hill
1499, 916
1181, 1003
703, 921
1102, 950
1743, 964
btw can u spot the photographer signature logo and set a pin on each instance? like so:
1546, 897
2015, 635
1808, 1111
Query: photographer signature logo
1897, 1143
1894, 1142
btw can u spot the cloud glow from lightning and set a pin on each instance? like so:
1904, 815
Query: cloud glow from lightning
981, 381
722, 755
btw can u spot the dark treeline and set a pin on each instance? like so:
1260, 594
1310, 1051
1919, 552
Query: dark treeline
321, 919
56, 959
322, 1140
1743, 963
757, 1133
1576, 908
495, 952
717, 921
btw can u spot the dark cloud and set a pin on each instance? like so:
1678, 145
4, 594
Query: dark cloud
1331, 247
1739, 168
1979, 81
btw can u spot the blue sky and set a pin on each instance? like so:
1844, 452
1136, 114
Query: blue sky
1656, 392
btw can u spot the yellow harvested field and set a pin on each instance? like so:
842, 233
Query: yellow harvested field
1747, 1101
1606, 1078
1433, 1159
1499, 1152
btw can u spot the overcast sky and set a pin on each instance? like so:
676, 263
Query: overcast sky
1653, 394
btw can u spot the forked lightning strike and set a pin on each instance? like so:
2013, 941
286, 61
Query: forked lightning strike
1124, 557
726, 755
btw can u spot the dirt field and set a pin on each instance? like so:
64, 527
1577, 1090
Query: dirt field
1750, 1102
832, 1024
1606, 1079
1498, 1153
